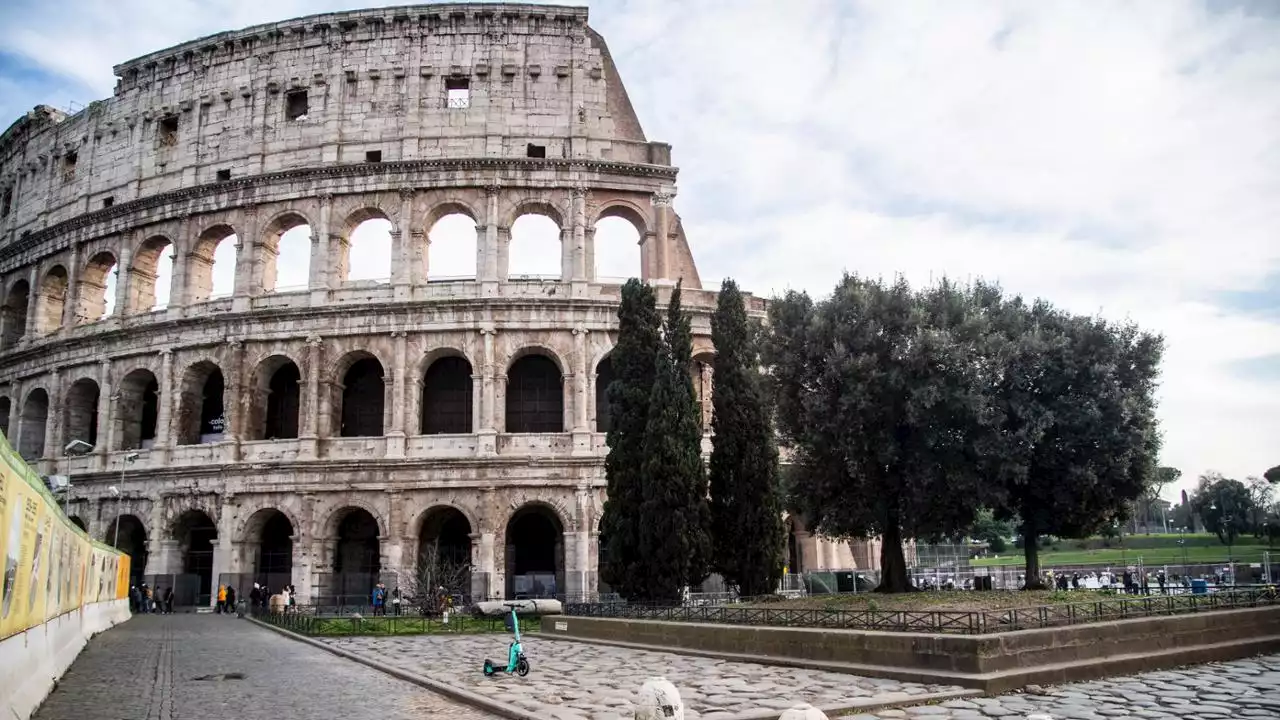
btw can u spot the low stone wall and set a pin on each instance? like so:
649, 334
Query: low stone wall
992, 663
32, 661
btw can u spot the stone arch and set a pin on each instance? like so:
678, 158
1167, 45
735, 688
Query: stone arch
340, 506
52, 300
615, 243
702, 372
211, 264
534, 550
534, 393
287, 233
604, 375
33, 424
267, 540
447, 394
13, 317
196, 533
359, 399
371, 227
137, 410
80, 411
356, 547
275, 400
625, 209
151, 278
130, 536
449, 529
452, 233
95, 298
535, 206
535, 243
6, 415
202, 406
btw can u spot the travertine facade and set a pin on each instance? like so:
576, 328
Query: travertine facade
322, 435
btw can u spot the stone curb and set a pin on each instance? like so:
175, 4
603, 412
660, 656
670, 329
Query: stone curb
455, 693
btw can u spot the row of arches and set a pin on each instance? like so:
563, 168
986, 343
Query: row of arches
533, 540
282, 263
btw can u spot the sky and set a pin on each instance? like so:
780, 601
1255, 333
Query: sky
1120, 159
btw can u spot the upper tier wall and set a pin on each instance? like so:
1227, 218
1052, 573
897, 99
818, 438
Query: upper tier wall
334, 88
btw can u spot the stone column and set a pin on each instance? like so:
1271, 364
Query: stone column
248, 275
486, 444
164, 409
320, 246
578, 243
566, 254
178, 292
578, 578
105, 439
304, 550
33, 304
402, 249
581, 430
308, 432
487, 268
661, 255
53, 421
484, 560
504, 253
235, 403
71, 303
224, 551
396, 436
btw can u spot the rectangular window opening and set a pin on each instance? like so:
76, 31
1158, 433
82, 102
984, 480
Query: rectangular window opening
69, 166
459, 92
295, 105
224, 175
6, 203
108, 201
536, 151
373, 156
168, 131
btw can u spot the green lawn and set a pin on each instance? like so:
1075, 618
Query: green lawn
391, 625
1174, 555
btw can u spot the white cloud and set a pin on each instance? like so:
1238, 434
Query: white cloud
1119, 157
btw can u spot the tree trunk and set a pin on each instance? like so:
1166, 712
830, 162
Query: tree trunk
893, 564
1031, 548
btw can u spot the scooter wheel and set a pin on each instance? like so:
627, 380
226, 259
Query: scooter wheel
488, 669
522, 667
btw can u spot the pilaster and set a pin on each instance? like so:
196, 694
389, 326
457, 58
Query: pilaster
402, 249
661, 260
248, 274
238, 408
487, 269
164, 409
320, 249
396, 435
578, 243
486, 444
53, 421
309, 425
105, 395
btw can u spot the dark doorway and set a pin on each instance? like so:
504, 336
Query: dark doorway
283, 402
14, 317
356, 558
80, 414
534, 553
535, 397
139, 408
275, 552
446, 397
196, 535
604, 412
131, 539
363, 399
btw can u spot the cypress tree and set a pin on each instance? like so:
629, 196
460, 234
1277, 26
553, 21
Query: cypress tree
674, 541
746, 502
634, 366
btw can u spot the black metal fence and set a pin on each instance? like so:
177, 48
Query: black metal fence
938, 621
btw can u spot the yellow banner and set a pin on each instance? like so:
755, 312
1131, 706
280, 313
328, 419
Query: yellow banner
50, 565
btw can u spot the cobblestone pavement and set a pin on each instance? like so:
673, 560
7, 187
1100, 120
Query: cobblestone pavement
212, 667
572, 680
1237, 690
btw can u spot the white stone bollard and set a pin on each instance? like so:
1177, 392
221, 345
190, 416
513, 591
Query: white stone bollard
659, 700
803, 711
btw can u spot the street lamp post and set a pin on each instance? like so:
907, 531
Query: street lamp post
115, 534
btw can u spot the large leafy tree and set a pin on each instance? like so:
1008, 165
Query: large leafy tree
880, 393
748, 536
1224, 506
1273, 475
634, 360
674, 517
1078, 434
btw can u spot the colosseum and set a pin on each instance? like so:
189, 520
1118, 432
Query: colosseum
303, 299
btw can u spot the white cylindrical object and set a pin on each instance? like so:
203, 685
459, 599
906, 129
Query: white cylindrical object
803, 711
659, 700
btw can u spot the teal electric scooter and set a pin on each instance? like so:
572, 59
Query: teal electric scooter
516, 661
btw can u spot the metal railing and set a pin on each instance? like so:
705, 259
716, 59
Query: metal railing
938, 621
321, 622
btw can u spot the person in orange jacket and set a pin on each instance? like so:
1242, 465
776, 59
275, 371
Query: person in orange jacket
222, 598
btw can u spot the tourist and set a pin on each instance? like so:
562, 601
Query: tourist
255, 598
222, 599
135, 599
168, 601
231, 600
379, 598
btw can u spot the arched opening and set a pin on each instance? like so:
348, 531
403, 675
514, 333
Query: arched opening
702, 370
357, 561
617, 249
270, 537
15, 313
444, 552
52, 300
152, 276
535, 396
80, 412
534, 553
202, 416
129, 536
196, 535
451, 248
286, 255
96, 298
363, 399
446, 397
212, 269
604, 411
6, 412
35, 416
78, 522
139, 407
535, 251
276, 401
366, 253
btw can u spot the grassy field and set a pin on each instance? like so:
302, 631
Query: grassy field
404, 625
954, 601
1153, 549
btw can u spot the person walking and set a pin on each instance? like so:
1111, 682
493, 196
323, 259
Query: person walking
231, 600
222, 599
168, 601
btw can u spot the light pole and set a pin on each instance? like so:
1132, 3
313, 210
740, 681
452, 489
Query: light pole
115, 535
75, 448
